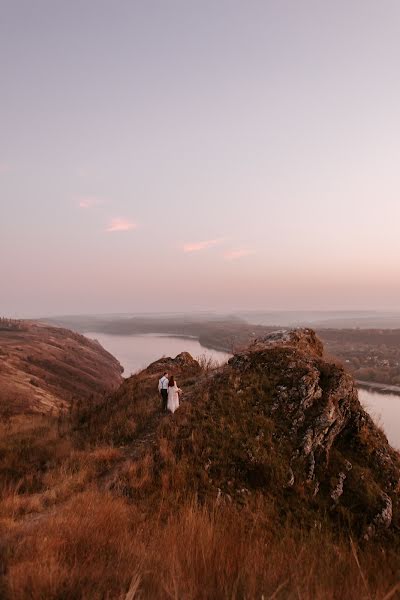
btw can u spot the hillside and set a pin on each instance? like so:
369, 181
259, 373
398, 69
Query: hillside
269, 481
42, 368
371, 355
277, 417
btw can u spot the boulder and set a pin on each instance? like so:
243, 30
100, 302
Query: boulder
182, 364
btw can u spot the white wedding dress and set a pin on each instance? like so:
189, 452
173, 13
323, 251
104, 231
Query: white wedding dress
173, 398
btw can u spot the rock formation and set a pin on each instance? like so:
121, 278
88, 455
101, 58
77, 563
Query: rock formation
279, 420
180, 365
330, 434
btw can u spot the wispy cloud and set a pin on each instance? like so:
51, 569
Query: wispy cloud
197, 246
89, 201
235, 254
120, 224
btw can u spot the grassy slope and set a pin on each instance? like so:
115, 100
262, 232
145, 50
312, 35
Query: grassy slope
43, 368
115, 496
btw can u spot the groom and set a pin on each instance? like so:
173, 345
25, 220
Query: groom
163, 390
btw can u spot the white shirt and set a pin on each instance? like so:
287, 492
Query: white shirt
163, 383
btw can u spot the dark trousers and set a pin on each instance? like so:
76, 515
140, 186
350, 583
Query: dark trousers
164, 399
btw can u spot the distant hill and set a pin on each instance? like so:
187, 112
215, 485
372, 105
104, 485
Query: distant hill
371, 354
341, 319
43, 368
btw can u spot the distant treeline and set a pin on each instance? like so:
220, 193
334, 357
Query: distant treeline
10, 324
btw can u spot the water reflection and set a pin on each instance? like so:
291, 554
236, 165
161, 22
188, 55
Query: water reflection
136, 352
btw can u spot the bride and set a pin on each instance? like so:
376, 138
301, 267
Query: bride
173, 395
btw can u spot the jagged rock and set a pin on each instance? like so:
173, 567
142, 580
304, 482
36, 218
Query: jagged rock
316, 404
291, 479
316, 489
311, 466
338, 489
182, 363
282, 420
308, 387
382, 519
347, 464
304, 340
385, 516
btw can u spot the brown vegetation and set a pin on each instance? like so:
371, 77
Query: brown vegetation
112, 499
101, 546
43, 369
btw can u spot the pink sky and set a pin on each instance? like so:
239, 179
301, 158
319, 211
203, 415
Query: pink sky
213, 156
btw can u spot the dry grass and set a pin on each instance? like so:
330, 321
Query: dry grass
85, 551
159, 532
44, 368
100, 546
207, 363
40, 469
116, 419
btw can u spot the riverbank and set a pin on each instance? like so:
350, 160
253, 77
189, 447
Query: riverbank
383, 388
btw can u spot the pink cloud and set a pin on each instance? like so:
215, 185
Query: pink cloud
119, 224
197, 246
235, 254
4, 167
89, 201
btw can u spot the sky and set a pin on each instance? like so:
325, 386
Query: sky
168, 155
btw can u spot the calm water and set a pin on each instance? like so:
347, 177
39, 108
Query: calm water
135, 352
385, 410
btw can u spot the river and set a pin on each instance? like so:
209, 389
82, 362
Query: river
385, 410
135, 352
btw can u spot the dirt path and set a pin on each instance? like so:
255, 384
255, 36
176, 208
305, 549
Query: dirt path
134, 451
108, 481
147, 437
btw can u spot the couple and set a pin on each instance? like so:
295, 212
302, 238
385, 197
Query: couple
169, 391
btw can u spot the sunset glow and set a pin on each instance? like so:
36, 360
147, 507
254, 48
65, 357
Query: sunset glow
121, 225
197, 246
184, 156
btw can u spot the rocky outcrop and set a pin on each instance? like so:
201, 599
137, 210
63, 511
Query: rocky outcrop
280, 420
336, 449
314, 398
182, 364
304, 340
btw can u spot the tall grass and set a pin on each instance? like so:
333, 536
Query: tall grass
207, 363
99, 546
160, 531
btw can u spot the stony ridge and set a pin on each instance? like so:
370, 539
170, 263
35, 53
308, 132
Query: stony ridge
318, 404
281, 418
